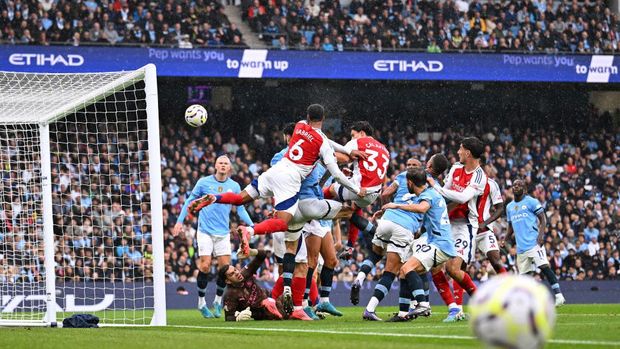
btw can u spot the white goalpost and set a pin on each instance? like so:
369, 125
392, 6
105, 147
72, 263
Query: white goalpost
81, 226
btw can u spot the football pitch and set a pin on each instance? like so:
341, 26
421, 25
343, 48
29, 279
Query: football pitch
578, 326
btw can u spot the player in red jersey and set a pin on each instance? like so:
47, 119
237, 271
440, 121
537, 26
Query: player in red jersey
463, 186
491, 208
307, 146
369, 173
282, 181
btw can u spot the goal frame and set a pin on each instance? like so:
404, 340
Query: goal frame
148, 74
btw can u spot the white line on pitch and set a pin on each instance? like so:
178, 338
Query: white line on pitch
382, 334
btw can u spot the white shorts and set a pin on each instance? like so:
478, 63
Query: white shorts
345, 195
464, 240
279, 248
532, 259
282, 182
486, 242
429, 256
393, 238
213, 245
309, 209
315, 228
418, 243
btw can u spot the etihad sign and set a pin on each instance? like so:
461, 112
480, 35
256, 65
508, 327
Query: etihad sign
394, 65
46, 59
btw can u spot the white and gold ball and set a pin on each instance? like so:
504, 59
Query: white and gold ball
196, 115
513, 311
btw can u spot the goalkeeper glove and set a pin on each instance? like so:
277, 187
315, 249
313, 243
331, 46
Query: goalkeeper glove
244, 315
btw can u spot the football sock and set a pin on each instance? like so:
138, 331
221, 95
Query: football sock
314, 293
201, 283
458, 292
221, 287
553, 280
278, 288
327, 194
426, 285
441, 283
353, 230
362, 223
367, 266
288, 267
298, 287
467, 284
271, 225
382, 288
229, 198
415, 286
309, 278
327, 275
404, 301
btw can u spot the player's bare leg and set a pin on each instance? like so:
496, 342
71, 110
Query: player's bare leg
496, 261
375, 255
225, 198
204, 266
392, 267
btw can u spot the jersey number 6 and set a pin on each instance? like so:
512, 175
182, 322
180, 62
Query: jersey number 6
296, 152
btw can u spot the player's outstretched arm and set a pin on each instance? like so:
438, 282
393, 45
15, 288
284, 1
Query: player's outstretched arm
502, 241
422, 207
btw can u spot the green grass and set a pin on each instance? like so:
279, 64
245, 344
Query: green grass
578, 326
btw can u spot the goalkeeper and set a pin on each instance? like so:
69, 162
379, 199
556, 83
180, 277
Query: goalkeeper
244, 299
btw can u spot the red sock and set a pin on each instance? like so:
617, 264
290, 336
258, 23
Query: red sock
278, 288
314, 293
353, 230
458, 292
327, 194
440, 281
468, 284
271, 225
298, 287
229, 198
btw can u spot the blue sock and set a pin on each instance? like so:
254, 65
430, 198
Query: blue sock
327, 275
416, 285
383, 287
288, 267
403, 296
201, 283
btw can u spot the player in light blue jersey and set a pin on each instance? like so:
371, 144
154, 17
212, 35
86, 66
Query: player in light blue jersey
440, 246
527, 220
213, 233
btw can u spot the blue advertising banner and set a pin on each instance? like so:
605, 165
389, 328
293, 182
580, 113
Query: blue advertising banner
222, 63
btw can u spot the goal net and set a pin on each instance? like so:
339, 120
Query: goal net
80, 198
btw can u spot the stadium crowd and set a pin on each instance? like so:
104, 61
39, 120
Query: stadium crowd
172, 23
434, 26
103, 226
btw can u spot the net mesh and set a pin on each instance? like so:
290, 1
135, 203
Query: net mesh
103, 250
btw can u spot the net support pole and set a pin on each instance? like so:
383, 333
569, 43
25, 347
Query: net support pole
157, 228
48, 224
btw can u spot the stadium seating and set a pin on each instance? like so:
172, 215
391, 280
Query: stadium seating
432, 26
